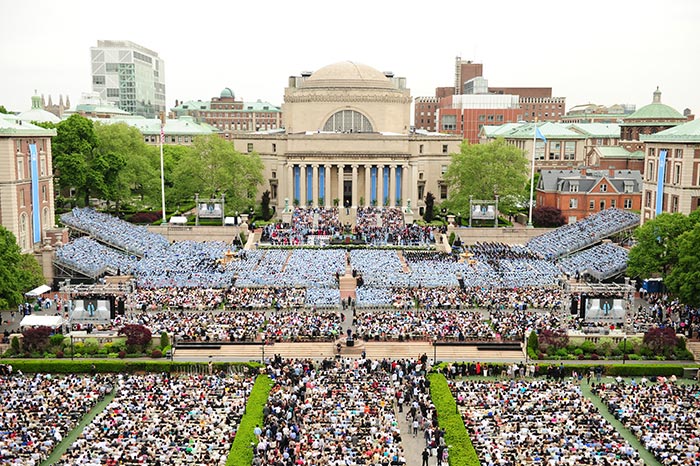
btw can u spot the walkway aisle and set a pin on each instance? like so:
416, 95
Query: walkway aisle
73, 434
649, 459
413, 447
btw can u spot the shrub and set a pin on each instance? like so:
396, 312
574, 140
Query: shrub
556, 339
14, 345
146, 217
137, 336
91, 346
56, 340
462, 451
588, 347
164, 340
156, 353
660, 341
59, 354
36, 339
241, 454
122, 354
533, 343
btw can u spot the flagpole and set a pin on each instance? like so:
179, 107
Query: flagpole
162, 172
532, 174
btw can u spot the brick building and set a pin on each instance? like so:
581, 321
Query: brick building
649, 119
579, 193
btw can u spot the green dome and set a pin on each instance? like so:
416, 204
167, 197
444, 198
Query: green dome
227, 93
656, 111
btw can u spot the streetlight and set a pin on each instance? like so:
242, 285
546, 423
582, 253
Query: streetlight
624, 349
72, 350
434, 350
263, 352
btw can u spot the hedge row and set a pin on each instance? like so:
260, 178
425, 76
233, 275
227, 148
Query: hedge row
461, 450
67, 366
241, 453
624, 370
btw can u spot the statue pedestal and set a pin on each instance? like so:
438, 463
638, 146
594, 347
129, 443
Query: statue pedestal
287, 218
408, 218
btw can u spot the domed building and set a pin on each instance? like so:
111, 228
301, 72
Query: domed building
347, 141
37, 113
649, 119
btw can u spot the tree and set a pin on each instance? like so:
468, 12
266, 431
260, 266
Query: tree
429, 206
684, 279
137, 336
661, 341
656, 251
36, 338
214, 167
483, 170
265, 206
18, 272
547, 217
121, 159
72, 152
4, 110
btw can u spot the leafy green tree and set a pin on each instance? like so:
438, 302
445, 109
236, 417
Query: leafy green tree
482, 170
72, 153
214, 167
4, 110
19, 272
429, 207
656, 251
684, 278
124, 166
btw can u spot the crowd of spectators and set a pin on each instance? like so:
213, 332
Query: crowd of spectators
382, 226
339, 413
164, 419
600, 262
307, 222
39, 410
94, 259
664, 416
115, 232
583, 233
522, 422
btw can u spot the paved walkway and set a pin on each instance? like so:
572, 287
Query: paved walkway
412, 446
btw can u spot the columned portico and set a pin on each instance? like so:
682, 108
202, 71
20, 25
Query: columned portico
368, 185
354, 187
327, 190
314, 185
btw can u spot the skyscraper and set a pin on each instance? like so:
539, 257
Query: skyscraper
130, 76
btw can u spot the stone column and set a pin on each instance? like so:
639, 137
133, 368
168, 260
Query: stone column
314, 185
380, 185
368, 184
341, 167
414, 185
392, 186
290, 183
302, 185
354, 187
406, 181
327, 178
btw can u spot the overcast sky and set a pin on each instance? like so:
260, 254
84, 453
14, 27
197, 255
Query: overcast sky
600, 51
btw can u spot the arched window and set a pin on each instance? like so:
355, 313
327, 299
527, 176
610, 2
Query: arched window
348, 121
23, 231
47, 219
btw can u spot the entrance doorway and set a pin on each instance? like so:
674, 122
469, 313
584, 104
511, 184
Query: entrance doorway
347, 193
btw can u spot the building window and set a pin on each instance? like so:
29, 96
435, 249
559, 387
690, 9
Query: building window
20, 169
100, 80
443, 191
482, 117
420, 148
602, 205
23, 231
677, 174
647, 199
573, 203
627, 203
44, 197
444, 148
348, 121
603, 188
650, 170
274, 147
570, 150
674, 203
420, 175
449, 122
250, 147
274, 175
613, 203
443, 170
573, 188
591, 205
21, 198
679, 153
421, 191
112, 92
554, 150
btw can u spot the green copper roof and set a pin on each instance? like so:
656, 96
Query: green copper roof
618, 152
596, 130
182, 126
10, 125
686, 132
549, 130
192, 105
656, 111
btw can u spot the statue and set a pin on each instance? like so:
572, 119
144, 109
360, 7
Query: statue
408, 207
287, 209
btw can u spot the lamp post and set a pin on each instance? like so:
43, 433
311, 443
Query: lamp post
72, 350
624, 349
264, 342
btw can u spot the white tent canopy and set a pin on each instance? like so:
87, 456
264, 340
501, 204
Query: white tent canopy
38, 291
41, 321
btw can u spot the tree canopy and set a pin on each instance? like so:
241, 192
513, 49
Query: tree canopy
19, 272
72, 154
483, 170
684, 278
213, 167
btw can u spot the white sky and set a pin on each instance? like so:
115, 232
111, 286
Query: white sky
600, 51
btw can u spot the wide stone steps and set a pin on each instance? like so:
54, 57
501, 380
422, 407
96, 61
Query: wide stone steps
694, 347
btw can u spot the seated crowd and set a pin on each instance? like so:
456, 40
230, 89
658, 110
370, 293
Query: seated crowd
579, 235
664, 416
341, 413
38, 410
601, 262
529, 422
93, 259
382, 226
163, 420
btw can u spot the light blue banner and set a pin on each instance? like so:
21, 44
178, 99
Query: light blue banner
385, 193
373, 183
309, 186
399, 176
297, 186
322, 183
36, 207
660, 181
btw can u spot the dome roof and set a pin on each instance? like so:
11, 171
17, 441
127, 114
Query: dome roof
227, 92
656, 111
348, 74
38, 115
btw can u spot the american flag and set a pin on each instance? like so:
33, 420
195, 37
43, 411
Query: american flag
162, 133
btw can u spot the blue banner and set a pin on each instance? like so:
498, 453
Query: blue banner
373, 183
399, 173
385, 194
297, 177
660, 181
322, 183
36, 207
309, 186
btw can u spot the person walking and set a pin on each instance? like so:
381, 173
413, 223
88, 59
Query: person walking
426, 455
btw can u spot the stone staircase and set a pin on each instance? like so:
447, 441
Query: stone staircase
254, 352
694, 347
348, 283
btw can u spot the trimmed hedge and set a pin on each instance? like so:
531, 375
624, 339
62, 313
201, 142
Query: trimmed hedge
461, 450
67, 366
624, 370
241, 453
